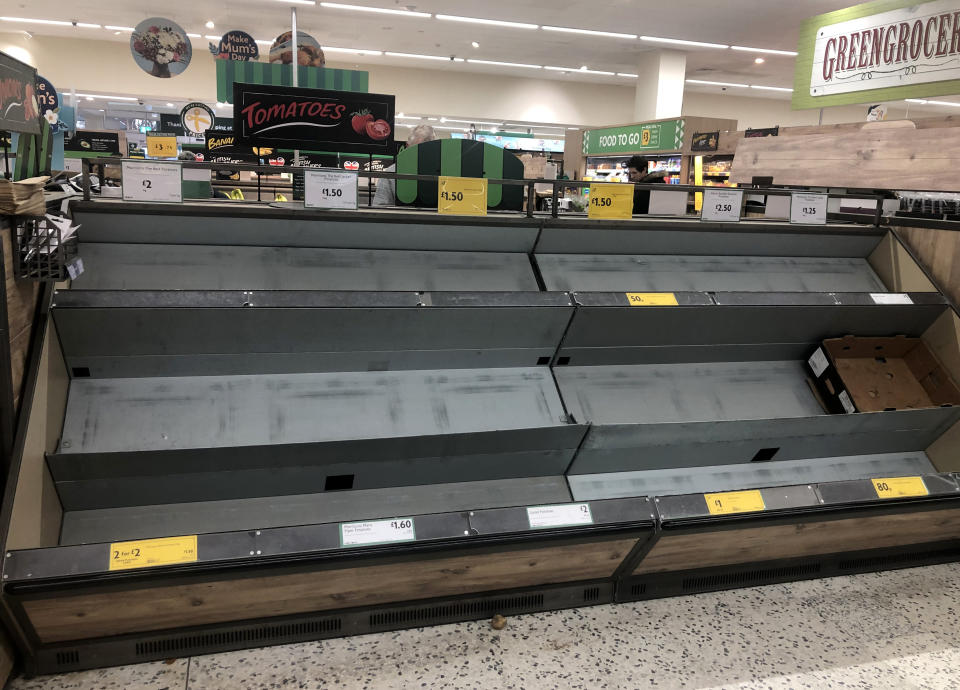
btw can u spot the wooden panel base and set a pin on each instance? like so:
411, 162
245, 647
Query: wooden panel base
772, 542
85, 616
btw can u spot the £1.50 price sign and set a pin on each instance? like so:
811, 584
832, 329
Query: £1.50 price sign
462, 196
330, 189
722, 205
610, 200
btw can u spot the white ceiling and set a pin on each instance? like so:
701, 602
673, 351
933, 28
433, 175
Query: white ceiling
770, 24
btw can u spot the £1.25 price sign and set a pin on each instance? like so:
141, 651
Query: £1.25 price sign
722, 205
330, 189
462, 196
808, 208
610, 200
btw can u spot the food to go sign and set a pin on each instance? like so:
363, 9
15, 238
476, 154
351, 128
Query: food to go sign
650, 136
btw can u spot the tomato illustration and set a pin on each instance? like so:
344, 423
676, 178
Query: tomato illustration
378, 130
360, 120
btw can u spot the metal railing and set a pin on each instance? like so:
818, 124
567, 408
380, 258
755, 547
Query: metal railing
530, 185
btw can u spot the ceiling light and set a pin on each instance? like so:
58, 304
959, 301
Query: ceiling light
380, 10
914, 100
628, 74
759, 60
505, 64
717, 83
169, 105
407, 117
264, 43
399, 115
421, 57
950, 103
677, 41
768, 51
443, 119
547, 134
209, 24
117, 33
771, 88
582, 70
491, 22
353, 51
91, 96
82, 25
54, 22
124, 28
432, 119
194, 36
589, 32
473, 122
300, 2
494, 130
573, 129
211, 38
475, 44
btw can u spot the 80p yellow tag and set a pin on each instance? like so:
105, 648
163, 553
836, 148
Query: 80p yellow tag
900, 487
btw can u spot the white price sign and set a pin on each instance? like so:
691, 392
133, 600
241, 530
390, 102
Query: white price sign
377, 532
808, 208
330, 189
722, 205
566, 515
146, 181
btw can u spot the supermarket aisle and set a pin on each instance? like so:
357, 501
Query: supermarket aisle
897, 629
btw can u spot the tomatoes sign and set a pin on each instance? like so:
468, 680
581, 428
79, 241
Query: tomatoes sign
313, 119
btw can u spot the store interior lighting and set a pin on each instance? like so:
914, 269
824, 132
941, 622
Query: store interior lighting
589, 32
379, 10
682, 42
490, 22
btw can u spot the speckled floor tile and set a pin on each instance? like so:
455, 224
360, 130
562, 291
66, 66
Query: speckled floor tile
159, 675
899, 629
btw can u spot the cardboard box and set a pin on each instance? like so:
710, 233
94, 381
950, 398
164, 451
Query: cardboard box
876, 374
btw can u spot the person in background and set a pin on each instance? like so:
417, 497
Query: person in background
637, 171
387, 189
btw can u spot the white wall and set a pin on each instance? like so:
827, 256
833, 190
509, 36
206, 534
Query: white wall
95, 66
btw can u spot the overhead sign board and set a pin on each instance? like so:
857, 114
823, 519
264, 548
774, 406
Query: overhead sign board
18, 102
879, 51
313, 119
649, 136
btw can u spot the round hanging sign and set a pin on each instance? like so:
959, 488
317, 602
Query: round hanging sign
197, 118
160, 47
236, 45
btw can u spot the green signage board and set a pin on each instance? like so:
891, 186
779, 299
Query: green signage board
878, 51
648, 136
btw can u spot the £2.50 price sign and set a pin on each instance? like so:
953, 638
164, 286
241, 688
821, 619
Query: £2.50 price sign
462, 196
722, 205
610, 200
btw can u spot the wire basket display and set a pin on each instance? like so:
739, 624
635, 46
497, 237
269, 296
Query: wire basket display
46, 250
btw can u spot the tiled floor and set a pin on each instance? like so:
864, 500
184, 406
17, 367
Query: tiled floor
898, 629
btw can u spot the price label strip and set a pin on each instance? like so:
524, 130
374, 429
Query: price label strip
610, 201
808, 208
900, 487
332, 189
462, 196
651, 299
377, 532
156, 182
731, 502
721, 205
147, 553
566, 515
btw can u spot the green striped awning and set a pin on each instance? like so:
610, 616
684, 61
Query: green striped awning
230, 71
27, 158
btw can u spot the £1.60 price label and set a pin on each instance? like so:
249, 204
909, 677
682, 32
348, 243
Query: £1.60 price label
377, 532
722, 205
808, 208
145, 181
731, 502
462, 196
330, 189
610, 200
900, 487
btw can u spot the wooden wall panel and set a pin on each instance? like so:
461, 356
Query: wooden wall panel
21, 307
876, 158
771, 542
93, 615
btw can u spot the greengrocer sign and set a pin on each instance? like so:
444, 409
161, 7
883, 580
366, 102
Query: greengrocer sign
649, 136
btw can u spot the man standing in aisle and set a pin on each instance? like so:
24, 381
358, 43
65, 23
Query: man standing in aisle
637, 171
387, 189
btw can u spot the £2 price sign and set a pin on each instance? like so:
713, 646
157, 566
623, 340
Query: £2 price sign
146, 181
610, 200
462, 196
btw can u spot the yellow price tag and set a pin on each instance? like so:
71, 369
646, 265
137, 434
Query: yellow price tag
610, 201
651, 299
900, 487
162, 147
462, 196
731, 502
145, 553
